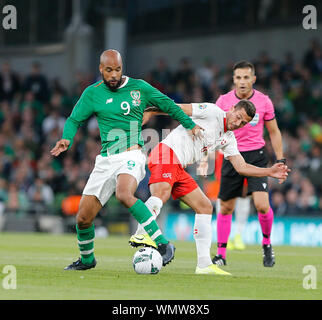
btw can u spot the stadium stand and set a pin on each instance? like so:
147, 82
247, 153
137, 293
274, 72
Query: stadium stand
33, 111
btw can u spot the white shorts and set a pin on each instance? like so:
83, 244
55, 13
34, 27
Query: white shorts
102, 181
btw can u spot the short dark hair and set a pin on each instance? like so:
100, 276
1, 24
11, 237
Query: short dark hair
248, 106
243, 65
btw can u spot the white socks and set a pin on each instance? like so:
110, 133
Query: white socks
242, 210
154, 204
202, 233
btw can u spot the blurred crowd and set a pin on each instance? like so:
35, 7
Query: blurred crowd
33, 110
295, 88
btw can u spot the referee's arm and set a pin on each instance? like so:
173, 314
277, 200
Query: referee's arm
276, 138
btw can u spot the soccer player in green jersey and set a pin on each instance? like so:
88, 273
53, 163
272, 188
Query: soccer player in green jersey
118, 102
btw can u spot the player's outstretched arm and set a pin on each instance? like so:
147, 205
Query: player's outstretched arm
149, 112
186, 108
275, 137
61, 146
278, 170
156, 98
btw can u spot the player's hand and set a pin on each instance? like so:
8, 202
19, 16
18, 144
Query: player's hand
61, 146
280, 171
149, 112
197, 132
282, 160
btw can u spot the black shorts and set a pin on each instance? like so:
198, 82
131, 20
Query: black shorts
231, 185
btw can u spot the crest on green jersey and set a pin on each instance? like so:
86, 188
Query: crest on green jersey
136, 95
130, 164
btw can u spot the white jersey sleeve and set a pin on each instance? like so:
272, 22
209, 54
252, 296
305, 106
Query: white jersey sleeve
230, 147
203, 110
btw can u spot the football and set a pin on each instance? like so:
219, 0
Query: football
147, 261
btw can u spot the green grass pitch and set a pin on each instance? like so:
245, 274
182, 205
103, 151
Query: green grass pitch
39, 260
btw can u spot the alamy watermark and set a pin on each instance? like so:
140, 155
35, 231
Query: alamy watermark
9, 17
10, 280
310, 280
310, 20
205, 164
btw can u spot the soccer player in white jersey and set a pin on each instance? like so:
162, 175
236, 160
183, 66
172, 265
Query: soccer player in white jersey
168, 177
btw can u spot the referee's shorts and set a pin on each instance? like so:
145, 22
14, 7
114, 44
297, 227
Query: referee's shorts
231, 185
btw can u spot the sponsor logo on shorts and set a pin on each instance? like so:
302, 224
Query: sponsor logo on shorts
130, 164
167, 175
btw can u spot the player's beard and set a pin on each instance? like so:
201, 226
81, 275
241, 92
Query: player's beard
112, 87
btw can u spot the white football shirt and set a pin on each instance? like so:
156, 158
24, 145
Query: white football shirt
215, 135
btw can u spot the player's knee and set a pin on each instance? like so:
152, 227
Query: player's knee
163, 194
120, 196
227, 207
83, 221
209, 208
262, 208
124, 197
205, 207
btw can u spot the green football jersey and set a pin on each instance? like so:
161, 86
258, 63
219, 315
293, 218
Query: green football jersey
119, 113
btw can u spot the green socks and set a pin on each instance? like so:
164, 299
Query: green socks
140, 212
85, 239
144, 217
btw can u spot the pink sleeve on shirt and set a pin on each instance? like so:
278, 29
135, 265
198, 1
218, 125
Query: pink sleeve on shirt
269, 112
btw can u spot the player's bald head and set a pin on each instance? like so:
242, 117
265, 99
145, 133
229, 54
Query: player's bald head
111, 68
112, 57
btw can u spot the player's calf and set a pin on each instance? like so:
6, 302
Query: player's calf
125, 197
